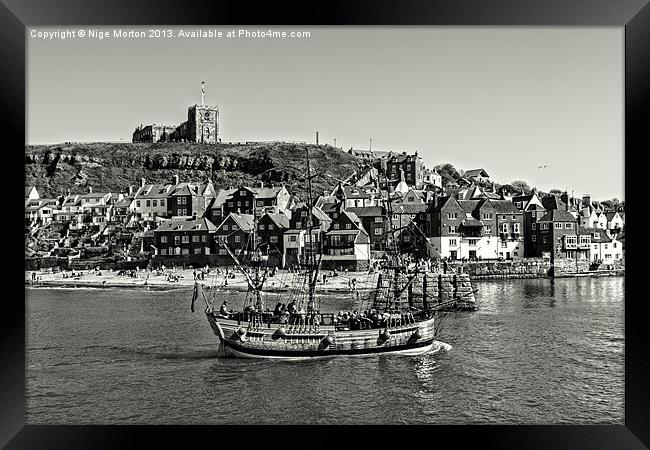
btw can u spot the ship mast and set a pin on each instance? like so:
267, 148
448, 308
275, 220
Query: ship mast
311, 262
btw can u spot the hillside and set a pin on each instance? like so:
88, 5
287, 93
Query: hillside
54, 169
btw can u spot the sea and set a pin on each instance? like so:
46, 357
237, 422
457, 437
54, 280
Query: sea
538, 351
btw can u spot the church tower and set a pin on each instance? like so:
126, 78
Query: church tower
203, 121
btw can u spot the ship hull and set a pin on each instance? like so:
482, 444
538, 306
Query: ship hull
240, 339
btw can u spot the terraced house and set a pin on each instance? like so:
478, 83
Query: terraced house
191, 199
235, 232
178, 237
297, 241
256, 200
558, 236
152, 200
347, 244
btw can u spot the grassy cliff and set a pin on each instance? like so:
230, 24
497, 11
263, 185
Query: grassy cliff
55, 169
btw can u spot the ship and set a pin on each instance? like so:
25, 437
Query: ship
391, 323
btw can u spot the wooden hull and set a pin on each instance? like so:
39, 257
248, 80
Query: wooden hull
243, 340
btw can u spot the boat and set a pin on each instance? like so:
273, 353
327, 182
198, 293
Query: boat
391, 325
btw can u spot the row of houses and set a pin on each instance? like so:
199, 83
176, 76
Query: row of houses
350, 226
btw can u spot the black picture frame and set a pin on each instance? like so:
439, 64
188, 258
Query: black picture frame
634, 15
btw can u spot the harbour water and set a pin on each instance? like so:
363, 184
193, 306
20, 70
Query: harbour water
537, 351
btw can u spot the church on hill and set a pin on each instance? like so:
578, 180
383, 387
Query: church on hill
201, 126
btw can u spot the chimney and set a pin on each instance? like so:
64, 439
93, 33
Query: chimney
435, 201
142, 182
90, 189
586, 199
176, 179
130, 191
260, 184
69, 193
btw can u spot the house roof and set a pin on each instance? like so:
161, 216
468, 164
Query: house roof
552, 202
280, 220
201, 224
409, 208
600, 234
505, 206
153, 190
610, 216
475, 173
222, 196
353, 217
366, 211
353, 192
557, 215
244, 221
266, 192
28, 190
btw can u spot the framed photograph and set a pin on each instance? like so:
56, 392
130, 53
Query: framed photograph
261, 219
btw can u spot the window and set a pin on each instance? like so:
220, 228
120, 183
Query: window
186, 239
271, 227
225, 227
242, 192
534, 237
452, 215
348, 226
543, 226
544, 239
406, 238
379, 231
533, 214
196, 238
163, 239
487, 216
504, 227
148, 203
487, 229
203, 238
503, 217
303, 213
515, 228
185, 251
230, 204
261, 227
238, 202
514, 217
452, 229
163, 251
473, 242
177, 240
378, 220
237, 238
558, 225
299, 225
534, 226
452, 242
292, 239
246, 203
184, 200
274, 239
162, 202
614, 244
137, 203
411, 199
605, 246
518, 204
234, 228
568, 225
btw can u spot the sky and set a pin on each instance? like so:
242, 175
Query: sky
506, 99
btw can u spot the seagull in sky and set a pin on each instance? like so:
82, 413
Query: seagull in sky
542, 167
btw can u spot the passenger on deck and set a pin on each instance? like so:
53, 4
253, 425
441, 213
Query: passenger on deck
223, 311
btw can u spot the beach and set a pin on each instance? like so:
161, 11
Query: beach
174, 278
